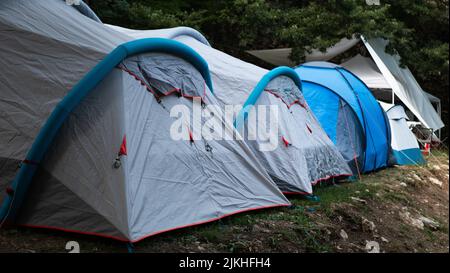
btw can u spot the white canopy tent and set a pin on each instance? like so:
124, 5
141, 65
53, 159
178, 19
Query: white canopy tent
366, 69
368, 72
436, 102
383, 72
403, 84
404, 147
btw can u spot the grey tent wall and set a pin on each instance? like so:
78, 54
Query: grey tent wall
84, 9
13, 201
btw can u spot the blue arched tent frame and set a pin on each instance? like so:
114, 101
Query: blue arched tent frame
259, 88
75, 96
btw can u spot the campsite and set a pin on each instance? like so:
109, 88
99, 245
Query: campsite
310, 226
120, 138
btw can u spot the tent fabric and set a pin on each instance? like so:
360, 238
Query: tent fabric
367, 71
351, 136
286, 90
405, 149
78, 47
84, 9
339, 121
279, 74
82, 184
77, 94
165, 74
276, 56
137, 199
326, 84
403, 84
308, 155
432, 98
234, 81
172, 33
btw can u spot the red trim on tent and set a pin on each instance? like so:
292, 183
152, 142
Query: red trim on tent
123, 146
286, 143
9, 190
210, 220
176, 90
154, 233
167, 93
288, 105
186, 96
75, 231
139, 80
309, 128
31, 162
191, 137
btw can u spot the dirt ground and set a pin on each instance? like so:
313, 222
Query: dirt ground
399, 209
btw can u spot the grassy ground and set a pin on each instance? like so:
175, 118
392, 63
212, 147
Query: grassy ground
382, 212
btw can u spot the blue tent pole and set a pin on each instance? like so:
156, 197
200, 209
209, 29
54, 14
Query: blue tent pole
259, 88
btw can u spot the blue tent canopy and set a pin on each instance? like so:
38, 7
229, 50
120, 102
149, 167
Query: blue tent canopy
349, 113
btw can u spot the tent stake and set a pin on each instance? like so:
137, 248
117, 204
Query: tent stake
130, 247
313, 198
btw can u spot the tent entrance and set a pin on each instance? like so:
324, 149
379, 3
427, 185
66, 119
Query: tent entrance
350, 137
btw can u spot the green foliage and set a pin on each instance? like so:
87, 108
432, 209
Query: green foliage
111, 10
426, 52
320, 26
146, 17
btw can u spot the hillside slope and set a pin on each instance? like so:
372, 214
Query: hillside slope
399, 209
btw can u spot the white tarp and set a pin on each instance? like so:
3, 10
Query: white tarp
432, 98
403, 84
367, 71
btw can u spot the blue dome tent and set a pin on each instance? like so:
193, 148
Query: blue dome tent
349, 113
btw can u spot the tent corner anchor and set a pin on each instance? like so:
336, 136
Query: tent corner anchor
130, 247
312, 197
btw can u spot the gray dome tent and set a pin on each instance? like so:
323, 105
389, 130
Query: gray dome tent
90, 127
